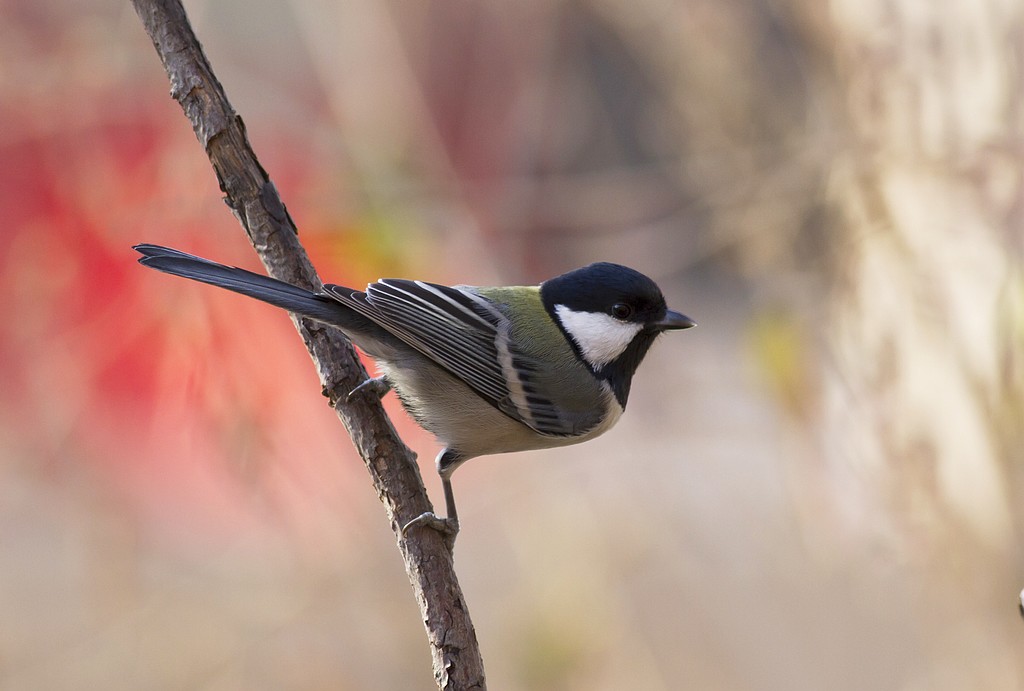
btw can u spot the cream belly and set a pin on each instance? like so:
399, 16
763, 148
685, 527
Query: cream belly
464, 422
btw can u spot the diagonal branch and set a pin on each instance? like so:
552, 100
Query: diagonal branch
255, 202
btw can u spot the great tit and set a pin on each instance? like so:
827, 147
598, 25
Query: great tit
486, 370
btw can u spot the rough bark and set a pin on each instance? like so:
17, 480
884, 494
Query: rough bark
255, 202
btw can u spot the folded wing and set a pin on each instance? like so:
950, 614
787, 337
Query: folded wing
467, 335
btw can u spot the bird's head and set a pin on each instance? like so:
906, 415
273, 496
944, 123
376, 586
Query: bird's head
611, 315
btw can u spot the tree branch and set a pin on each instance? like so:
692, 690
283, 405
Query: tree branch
255, 202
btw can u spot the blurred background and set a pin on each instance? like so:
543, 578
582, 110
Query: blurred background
821, 487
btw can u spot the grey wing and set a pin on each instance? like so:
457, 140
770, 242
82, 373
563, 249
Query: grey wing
467, 335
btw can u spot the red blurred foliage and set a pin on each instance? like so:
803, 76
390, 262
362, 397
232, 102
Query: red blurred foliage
152, 385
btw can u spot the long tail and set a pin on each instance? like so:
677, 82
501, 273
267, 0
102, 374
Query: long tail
292, 298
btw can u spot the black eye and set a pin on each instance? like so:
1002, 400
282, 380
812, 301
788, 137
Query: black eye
621, 310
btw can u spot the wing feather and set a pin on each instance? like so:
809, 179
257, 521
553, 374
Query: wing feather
467, 335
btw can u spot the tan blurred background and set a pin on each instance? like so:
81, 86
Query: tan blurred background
819, 488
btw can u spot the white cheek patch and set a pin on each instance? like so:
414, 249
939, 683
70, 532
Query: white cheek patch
600, 337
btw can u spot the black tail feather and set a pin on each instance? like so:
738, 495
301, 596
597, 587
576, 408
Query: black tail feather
292, 298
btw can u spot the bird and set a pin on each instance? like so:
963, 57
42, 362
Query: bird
486, 370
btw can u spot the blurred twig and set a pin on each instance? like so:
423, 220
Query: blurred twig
255, 202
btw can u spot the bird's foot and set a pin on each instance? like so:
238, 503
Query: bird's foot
377, 386
448, 527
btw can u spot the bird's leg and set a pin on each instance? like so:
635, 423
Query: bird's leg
378, 386
449, 526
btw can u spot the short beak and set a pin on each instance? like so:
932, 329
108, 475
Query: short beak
673, 320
